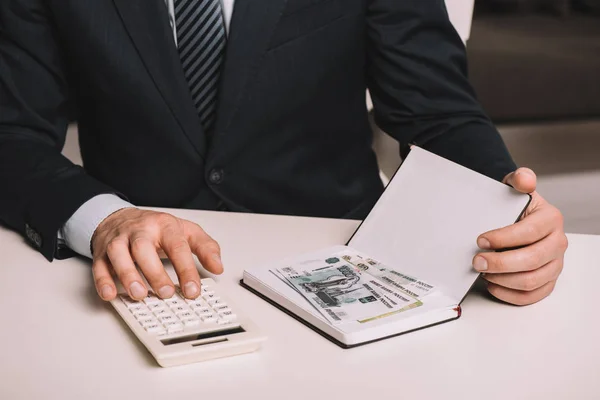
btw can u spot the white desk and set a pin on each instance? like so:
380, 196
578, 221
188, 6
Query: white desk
59, 341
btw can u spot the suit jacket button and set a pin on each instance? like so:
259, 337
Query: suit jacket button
216, 176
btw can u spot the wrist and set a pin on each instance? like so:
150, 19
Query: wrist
78, 230
106, 222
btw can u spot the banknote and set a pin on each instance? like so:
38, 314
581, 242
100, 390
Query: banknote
342, 292
309, 264
306, 264
289, 284
283, 279
405, 283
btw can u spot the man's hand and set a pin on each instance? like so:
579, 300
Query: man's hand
132, 236
527, 274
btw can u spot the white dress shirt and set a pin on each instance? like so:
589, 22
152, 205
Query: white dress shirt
78, 230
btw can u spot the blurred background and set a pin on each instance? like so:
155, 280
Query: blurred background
535, 65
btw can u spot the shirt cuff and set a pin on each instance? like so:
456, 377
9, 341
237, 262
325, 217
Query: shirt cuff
78, 230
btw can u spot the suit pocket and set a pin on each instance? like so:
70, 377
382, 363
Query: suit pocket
302, 17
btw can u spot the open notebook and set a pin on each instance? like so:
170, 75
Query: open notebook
424, 227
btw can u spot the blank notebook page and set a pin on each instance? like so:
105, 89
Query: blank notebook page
427, 221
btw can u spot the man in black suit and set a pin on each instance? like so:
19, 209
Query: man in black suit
245, 105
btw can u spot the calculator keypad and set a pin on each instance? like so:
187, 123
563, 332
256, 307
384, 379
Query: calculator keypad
170, 316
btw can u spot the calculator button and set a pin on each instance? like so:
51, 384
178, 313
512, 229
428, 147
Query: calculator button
190, 317
199, 304
208, 318
221, 321
209, 297
222, 308
156, 306
152, 299
156, 329
187, 315
191, 322
136, 310
167, 318
203, 311
174, 327
128, 301
162, 312
227, 315
143, 315
173, 302
136, 306
216, 302
178, 295
179, 309
148, 321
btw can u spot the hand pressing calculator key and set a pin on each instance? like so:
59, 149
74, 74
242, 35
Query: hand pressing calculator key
181, 331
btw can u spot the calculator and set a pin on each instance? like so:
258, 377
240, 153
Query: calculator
180, 331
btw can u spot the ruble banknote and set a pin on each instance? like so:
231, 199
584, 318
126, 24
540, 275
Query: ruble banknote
391, 276
343, 293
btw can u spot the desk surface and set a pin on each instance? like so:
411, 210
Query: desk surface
59, 341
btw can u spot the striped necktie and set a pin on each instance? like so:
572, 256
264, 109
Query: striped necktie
201, 40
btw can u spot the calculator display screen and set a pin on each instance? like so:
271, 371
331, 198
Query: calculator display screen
205, 335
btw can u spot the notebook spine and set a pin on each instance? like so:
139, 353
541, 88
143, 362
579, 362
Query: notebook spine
458, 310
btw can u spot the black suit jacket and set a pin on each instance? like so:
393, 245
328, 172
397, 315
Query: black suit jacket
292, 135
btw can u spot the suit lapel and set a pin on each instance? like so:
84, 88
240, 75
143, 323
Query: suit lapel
252, 25
147, 23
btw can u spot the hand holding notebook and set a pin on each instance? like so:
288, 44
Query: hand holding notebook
420, 239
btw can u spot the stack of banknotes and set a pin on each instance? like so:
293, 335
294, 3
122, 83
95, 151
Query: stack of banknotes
350, 286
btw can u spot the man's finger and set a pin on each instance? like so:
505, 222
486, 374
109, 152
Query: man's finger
524, 259
536, 226
518, 297
178, 250
523, 179
105, 286
205, 248
530, 280
144, 254
121, 261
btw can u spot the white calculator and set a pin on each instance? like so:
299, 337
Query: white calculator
181, 331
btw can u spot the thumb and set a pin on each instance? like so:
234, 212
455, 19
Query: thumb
523, 179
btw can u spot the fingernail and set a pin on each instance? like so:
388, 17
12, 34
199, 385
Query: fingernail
217, 258
191, 289
522, 171
137, 290
483, 243
166, 292
480, 264
527, 172
106, 291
